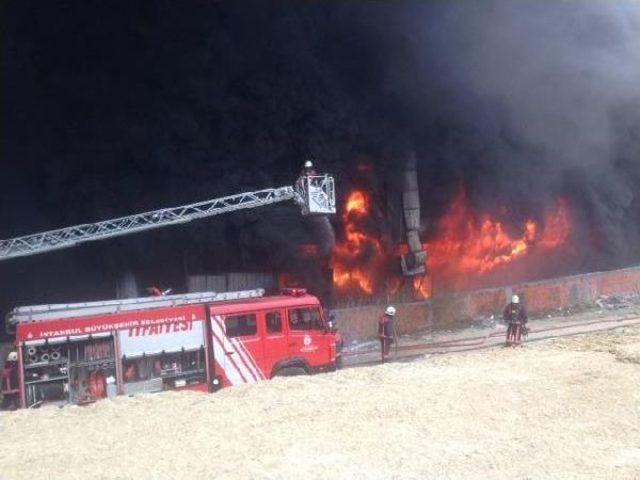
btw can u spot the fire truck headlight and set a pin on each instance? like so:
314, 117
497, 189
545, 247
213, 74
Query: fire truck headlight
216, 381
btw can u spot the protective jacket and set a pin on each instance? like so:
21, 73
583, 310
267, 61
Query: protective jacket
515, 313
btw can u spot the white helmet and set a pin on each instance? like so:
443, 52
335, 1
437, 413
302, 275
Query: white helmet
12, 357
515, 299
308, 164
391, 311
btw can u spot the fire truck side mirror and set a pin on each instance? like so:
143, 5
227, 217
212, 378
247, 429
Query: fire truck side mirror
331, 323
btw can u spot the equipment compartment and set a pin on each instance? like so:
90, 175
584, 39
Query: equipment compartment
164, 371
92, 370
79, 370
46, 373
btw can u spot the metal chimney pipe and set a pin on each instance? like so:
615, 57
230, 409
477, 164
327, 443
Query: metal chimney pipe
413, 263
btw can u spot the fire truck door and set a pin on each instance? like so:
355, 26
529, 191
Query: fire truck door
306, 335
275, 340
242, 356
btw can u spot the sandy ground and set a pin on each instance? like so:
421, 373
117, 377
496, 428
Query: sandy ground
557, 409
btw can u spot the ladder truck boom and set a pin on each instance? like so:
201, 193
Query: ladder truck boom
314, 194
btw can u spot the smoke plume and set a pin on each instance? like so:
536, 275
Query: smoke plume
530, 101
108, 111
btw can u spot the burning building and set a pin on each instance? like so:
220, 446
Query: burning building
523, 117
464, 248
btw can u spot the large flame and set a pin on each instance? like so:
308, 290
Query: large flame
422, 286
466, 245
354, 261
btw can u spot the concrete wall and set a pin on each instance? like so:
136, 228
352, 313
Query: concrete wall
549, 295
445, 312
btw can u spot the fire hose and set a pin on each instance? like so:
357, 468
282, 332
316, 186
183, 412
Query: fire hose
479, 342
563, 327
43, 354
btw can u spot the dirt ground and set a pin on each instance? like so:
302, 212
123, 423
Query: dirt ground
556, 409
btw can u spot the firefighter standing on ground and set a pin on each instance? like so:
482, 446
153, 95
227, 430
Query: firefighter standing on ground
9, 382
516, 317
386, 332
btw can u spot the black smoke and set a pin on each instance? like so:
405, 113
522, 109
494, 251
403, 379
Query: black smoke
541, 102
109, 109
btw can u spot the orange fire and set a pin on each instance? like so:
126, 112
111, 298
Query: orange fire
466, 245
393, 284
557, 226
352, 278
355, 261
423, 287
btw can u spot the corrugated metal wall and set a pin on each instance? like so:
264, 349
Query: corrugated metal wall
232, 281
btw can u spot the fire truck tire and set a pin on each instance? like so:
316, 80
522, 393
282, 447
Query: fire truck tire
290, 372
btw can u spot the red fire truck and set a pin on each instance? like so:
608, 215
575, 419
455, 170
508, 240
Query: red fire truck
79, 353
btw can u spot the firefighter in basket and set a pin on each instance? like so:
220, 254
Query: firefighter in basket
515, 316
386, 332
307, 171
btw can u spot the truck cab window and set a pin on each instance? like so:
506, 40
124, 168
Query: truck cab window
274, 322
241, 325
305, 319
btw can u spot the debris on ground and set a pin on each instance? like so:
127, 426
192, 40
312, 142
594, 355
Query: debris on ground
617, 302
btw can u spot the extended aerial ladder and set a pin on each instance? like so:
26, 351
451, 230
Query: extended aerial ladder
315, 194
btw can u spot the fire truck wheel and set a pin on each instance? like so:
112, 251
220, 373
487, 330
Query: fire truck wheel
290, 372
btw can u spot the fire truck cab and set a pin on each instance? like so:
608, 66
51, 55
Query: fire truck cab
79, 353
264, 337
